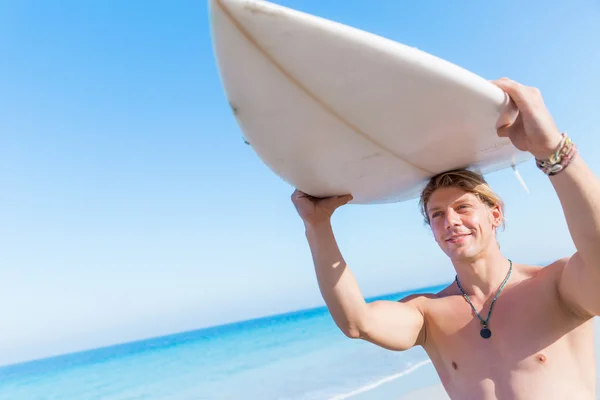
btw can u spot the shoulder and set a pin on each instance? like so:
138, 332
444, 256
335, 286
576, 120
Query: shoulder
424, 303
558, 286
542, 280
548, 272
418, 301
418, 298
422, 300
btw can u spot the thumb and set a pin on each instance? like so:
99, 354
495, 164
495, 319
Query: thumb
509, 129
338, 201
504, 131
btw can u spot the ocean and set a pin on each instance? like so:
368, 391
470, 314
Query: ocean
296, 356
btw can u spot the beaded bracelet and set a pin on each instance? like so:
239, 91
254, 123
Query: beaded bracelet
560, 159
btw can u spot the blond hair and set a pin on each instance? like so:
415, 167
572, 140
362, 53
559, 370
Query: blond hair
467, 180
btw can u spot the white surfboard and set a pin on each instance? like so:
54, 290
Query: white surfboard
333, 110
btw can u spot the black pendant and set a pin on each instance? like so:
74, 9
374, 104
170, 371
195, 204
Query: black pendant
485, 333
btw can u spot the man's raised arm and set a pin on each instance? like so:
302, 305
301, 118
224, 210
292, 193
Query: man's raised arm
392, 325
578, 190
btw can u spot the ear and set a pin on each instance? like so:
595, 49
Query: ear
496, 216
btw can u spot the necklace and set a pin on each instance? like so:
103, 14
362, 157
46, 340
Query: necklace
485, 332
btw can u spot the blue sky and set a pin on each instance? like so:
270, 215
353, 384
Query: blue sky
131, 207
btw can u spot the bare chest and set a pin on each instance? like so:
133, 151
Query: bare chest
531, 336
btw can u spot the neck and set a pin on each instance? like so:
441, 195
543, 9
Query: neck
481, 277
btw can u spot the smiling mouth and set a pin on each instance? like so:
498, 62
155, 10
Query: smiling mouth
457, 238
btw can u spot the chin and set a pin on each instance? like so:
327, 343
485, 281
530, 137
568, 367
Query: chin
460, 254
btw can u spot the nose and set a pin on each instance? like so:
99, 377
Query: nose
451, 219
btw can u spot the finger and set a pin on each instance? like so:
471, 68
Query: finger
508, 84
346, 198
504, 132
511, 129
298, 194
516, 91
338, 201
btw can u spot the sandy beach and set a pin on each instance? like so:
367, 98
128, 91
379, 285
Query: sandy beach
437, 392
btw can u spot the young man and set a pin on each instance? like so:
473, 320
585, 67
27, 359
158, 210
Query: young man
501, 330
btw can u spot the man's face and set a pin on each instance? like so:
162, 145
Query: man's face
462, 224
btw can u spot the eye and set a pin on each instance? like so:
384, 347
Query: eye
435, 214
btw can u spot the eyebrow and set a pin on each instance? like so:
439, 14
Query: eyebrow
457, 202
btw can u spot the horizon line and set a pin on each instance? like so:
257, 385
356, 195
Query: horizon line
181, 334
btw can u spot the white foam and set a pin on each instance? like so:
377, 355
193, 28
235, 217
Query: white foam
380, 382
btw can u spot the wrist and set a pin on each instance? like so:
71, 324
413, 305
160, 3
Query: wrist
552, 147
560, 158
316, 227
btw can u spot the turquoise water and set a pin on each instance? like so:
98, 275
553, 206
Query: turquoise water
300, 355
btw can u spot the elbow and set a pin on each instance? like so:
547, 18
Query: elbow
357, 327
351, 331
